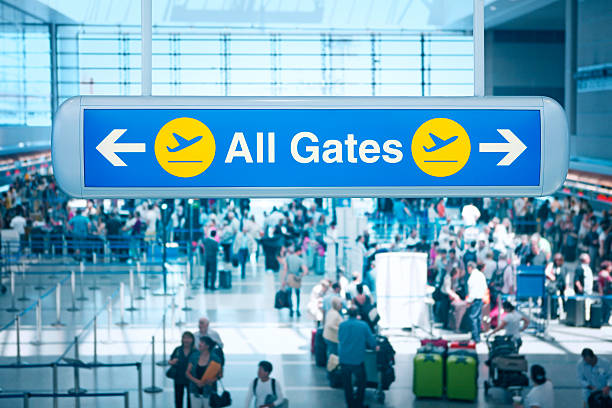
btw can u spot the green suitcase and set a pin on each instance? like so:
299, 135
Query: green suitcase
462, 375
428, 376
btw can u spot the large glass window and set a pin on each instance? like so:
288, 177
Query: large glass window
106, 61
25, 86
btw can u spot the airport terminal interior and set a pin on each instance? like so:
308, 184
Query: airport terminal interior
433, 298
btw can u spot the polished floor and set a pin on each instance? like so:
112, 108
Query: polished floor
251, 329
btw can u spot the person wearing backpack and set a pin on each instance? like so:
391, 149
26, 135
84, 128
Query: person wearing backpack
267, 391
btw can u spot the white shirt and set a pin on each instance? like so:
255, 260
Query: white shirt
588, 279
18, 224
262, 390
541, 396
513, 324
213, 334
470, 214
151, 219
477, 285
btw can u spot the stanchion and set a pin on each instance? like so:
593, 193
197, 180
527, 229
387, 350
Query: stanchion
132, 308
144, 286
139, 285
163, 362
18, 338
82, 297
23, 297
95, 340
140, 395
186, 296
122, 322
39, 286
38, 339
179, 323
13, 307
58, 306
172, 312
73, 308
152, 389
109, 320
188, 273
77, 380
55, 384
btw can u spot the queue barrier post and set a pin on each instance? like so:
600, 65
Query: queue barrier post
77, 379
13, 308
122, 322
132, 308
140, 391
109, 320
153, 389
82, 297
38, 338
95, 340
73, 308
55, 384
23, 297
126, 400
18, 338
163, 362
58, 306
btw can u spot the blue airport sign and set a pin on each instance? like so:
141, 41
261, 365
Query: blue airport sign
256, 147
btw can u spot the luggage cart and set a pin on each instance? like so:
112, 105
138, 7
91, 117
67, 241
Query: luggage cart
507, 368
380, 373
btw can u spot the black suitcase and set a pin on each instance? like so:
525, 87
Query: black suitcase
596, 315
335, 378
225, 279
320, 349
575, 312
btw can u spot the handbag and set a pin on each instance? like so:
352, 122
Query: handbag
172, 372
220, 400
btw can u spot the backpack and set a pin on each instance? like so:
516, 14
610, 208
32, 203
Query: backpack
283, 404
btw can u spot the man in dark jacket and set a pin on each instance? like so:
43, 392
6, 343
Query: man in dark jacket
211, 250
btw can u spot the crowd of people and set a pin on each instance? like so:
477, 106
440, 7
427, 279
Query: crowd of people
475, 248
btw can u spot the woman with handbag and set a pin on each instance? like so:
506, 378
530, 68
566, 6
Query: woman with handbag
203, 371
179, 359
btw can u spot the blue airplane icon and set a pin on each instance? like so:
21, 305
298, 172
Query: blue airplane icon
439, 143
183, 143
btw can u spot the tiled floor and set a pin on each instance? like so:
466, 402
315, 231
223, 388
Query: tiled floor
251, 329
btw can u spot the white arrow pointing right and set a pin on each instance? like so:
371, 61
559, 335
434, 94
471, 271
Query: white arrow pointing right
514, 147
108, 147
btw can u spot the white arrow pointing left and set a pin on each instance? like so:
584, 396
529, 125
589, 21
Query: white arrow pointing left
514, 147
108, 147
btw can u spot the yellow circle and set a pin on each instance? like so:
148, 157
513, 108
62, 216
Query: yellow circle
441, 147
185, 147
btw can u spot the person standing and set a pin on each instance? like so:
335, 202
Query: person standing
594, 374
354, 336
294, 269
200, 389
179, 359
266, 390
333, 318
244, 245
204, 330
477, 287
211, 250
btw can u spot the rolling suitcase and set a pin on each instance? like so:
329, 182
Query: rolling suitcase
575, 311
320, 349
428, 375
225, 279
596, 315
371, 369
435, 343
462, 375
313, 336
